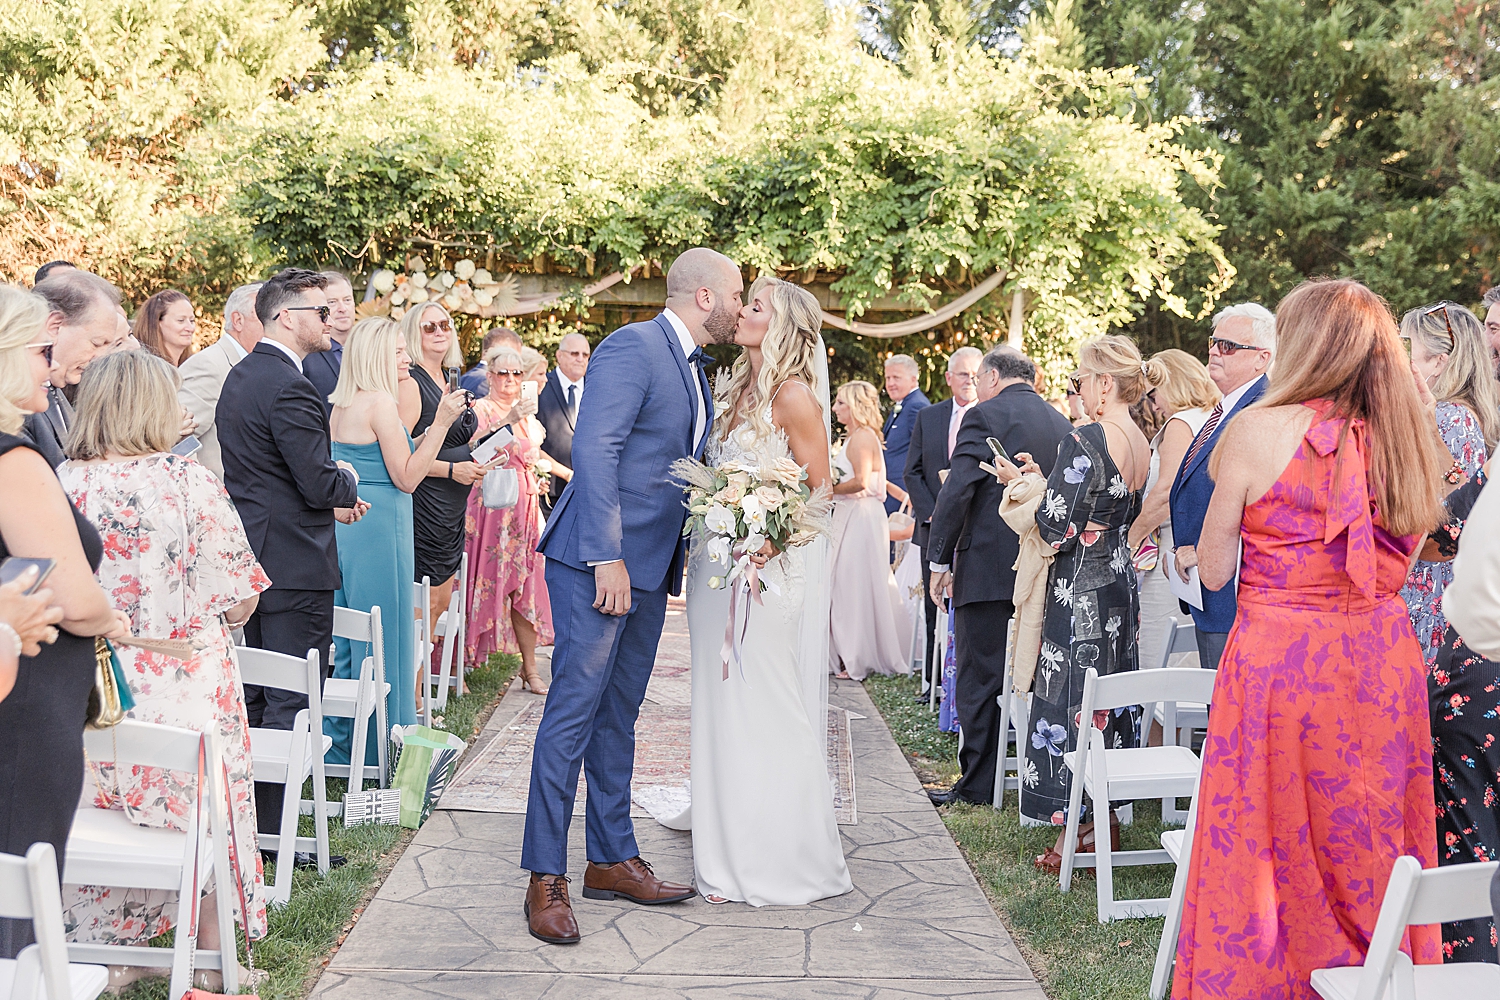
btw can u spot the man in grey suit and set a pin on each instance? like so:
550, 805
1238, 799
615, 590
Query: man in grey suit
203, 374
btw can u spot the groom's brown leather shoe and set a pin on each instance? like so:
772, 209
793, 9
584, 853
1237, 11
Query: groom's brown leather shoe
635, 881
549, 915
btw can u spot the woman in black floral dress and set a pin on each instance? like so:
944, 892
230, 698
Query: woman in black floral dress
1464, 697
1093, 612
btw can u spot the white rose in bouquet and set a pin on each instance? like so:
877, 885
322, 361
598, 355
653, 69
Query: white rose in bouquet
784, 471
769, 497
719, 519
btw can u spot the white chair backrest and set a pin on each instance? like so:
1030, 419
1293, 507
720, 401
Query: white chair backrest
278, 670
1417, 896
144, 744
1141, 687
29, 891
351, 624
1180, 637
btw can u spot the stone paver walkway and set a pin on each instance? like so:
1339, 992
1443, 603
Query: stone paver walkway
448, 922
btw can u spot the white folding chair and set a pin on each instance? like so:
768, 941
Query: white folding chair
941, 639
29, 891
1179, 847
106, 848
1014, 710
435, 694
461, 594
1126, 773
359, 697
289, 757
1178, 720
1415, 896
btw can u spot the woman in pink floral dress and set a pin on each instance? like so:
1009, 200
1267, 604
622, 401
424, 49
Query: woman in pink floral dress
177, 561
508, 607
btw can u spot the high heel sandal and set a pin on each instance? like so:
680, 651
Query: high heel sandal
533, 682
1051, 861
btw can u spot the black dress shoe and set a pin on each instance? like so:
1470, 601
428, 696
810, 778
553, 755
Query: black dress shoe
303, 859
948, 797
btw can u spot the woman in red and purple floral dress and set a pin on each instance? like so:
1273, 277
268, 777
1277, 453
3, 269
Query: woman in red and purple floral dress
508, 607
1317, 767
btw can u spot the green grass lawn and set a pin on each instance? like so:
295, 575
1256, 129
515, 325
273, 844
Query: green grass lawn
322, 909
1073, 955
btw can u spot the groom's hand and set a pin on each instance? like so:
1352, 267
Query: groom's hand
612, 588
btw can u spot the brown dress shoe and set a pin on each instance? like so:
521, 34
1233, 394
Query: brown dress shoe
549, 915
633, 880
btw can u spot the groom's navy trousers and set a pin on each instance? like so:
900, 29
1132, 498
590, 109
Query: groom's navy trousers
600, 667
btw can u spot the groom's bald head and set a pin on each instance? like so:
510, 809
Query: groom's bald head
705, 290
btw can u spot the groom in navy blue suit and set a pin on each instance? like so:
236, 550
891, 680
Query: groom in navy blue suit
614, 549
1239, 355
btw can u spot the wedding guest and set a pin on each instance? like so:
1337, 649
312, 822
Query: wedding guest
1491, 306
1449, 353
375, 553
322, 368
83, 321
558, 408
901, 378
204, 373
42, 720
1317, 767
181, 568
287, 490
51, 267
1184, 404
933, 435
474, 379
509, 611
439, 503
165, 325
871, 631
1239, 356
1093, 495
972, 554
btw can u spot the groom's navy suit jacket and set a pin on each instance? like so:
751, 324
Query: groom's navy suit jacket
636, 420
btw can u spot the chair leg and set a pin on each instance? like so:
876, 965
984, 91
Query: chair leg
320, 801
1166, 950
1000, 754
363, 707
1075, 806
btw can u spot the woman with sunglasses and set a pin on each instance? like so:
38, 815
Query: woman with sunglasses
42, 719
509, 612
439, 503
1450, 354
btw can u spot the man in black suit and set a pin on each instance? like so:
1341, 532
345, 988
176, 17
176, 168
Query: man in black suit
968, 537
322, 367
932, 439
273, 433
557, 407
83, 322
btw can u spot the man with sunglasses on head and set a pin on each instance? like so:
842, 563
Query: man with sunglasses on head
273, 439
1240, 351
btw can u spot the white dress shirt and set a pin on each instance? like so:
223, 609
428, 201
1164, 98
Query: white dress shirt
1231, 400
283, 349
564, 383
954, 422
235, 351
685, 341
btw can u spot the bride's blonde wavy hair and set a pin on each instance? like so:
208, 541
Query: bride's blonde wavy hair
789, 350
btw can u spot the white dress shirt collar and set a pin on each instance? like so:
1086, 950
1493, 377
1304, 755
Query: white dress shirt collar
1232, 400
563, 382
233, 349
284, 350
685, 341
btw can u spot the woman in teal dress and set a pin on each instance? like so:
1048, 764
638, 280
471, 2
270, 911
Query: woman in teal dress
376, 556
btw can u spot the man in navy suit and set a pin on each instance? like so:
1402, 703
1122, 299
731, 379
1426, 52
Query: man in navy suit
288, 491
901, 374
557, 408
614, 550
1239, 355
321, 368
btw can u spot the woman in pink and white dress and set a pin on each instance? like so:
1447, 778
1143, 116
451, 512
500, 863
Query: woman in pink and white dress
870, 631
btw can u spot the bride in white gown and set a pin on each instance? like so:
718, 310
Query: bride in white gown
762, 814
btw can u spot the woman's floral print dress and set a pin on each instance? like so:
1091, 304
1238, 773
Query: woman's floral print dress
1317, 767
1092, 613
1423, 592
175, 559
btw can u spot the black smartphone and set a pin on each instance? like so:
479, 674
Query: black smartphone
453, 374
187, 446
999, 450
14, 566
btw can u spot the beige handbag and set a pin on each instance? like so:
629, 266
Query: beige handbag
901, 522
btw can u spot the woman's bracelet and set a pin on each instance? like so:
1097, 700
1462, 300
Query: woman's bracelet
15, 637
450, 470
1454, 475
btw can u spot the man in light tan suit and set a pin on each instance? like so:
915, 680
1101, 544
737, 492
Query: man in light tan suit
203, 374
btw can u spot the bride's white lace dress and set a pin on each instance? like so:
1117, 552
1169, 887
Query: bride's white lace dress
762, 815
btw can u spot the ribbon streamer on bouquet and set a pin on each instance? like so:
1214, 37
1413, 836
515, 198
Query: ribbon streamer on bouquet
746, 587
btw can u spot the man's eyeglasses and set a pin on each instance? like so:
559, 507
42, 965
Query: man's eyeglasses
964, 376
1229, 346
46, 350
433, 326
1442, 307
322, 311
